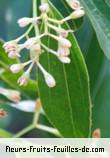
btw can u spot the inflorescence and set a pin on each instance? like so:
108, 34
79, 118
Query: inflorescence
35, 46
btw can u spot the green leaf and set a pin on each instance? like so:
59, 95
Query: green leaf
98, 67
99, 14
5, 134
68, 105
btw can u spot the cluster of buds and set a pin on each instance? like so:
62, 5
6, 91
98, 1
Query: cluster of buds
35, 45
10, 94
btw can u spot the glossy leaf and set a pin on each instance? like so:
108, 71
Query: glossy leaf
98, 67
68, 105
5, 134
99, 14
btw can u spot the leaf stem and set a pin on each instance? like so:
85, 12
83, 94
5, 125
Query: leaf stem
24, 131
35, 15
37, 112
48, 129
25, 34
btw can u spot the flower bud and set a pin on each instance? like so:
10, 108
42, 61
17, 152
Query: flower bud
77, 14
23, 22
65, 60
13, 49
63, 52
26, 106
10, 46
74, 4
50, 81
13, 55
2, 113
15, 68
44, 8
96, 134
12, 95
64, 42
36, 48
23, 80
30, 43
63, 33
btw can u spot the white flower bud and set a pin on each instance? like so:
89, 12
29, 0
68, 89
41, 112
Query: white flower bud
10, 46
62, 51
26, 106
64, 42
44, 8
13, 49
77, 14
30, 43
65, 60
12, 95
50, 81
23, 80
36, 48
74, 4
15, 68
23, 22
63, 33
13, 55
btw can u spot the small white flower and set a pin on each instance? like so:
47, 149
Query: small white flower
26, 106
13, 49
64, 42
62, 51
23, 22
15, 68
44, 8
10, 46
30, 43
74, 4
12, 95
23, 80
36, 48
13, 55
77, 14
62, 32
50, 81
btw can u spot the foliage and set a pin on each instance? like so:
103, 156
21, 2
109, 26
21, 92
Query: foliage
75, 106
